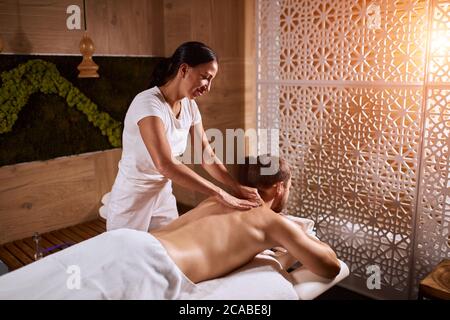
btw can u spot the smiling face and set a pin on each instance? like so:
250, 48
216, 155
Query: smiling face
197, 80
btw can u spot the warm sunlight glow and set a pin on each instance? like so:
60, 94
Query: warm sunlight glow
440, 42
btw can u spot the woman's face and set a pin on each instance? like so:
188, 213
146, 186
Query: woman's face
197, 80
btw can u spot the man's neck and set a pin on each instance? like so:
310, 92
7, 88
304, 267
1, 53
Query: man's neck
268, 200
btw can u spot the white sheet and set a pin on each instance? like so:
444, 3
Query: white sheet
120, 264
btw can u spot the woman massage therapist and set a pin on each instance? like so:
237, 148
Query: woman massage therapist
156, 129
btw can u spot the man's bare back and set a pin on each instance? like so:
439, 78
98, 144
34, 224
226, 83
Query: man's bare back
212, 240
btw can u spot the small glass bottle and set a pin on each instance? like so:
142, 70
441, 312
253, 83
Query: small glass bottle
38, 254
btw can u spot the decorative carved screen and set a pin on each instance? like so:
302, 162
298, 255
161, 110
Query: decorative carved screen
359, 91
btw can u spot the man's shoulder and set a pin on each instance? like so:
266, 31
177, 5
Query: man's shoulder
208, 207
208, 201
265, 209
274, 222
265, 218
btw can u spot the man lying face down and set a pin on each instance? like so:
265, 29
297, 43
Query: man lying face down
208, 242
212, 240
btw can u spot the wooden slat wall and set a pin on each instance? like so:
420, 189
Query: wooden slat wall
49, 195
227, 26
117, 27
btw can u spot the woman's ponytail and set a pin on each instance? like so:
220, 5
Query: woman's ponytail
160, 73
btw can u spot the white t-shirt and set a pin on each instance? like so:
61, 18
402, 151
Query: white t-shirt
136, 162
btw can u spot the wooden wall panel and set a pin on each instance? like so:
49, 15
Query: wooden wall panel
127, 27
48, 195
117, 27
29, 26
219, 23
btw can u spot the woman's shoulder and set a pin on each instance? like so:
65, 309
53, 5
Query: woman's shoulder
150, 98
150, 94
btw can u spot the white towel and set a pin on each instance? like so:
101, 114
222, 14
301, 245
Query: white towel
120, 264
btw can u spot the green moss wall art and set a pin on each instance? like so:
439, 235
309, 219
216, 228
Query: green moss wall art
46, 111
38, 75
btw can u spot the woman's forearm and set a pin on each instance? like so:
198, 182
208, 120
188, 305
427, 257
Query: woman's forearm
218, 171
212, 165
185, 177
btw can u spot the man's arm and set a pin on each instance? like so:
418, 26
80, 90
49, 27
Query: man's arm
284, 258
312, 253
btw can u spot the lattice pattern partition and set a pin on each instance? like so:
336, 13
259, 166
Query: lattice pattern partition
433, 223
364, 120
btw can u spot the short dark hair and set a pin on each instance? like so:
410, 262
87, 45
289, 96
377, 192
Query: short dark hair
250, 173
192, 53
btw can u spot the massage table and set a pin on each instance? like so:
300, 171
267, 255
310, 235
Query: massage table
114, 265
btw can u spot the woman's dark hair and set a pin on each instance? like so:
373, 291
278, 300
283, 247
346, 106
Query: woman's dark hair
251, 171
192, 53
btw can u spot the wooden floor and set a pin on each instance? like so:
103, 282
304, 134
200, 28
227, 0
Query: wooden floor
19, 253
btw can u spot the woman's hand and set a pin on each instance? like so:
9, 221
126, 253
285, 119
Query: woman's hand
248, 193
233, 202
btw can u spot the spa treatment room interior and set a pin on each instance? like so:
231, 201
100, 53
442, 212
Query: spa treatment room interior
225, 149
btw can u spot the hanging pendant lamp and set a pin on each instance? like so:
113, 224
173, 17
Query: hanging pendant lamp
88, 68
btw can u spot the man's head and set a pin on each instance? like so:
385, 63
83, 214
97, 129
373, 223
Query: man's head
272, 186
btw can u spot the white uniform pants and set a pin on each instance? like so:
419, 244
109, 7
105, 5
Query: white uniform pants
140, 207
